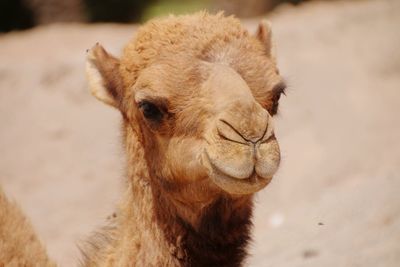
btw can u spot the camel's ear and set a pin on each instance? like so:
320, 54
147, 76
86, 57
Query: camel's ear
264, 34
105, 81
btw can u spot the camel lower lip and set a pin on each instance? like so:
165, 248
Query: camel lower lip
252, 179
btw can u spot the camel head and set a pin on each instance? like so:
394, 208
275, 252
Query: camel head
200, 93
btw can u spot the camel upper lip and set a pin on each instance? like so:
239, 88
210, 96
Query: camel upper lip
236, 186
252, 178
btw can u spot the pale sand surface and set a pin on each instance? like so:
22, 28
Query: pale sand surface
336, 199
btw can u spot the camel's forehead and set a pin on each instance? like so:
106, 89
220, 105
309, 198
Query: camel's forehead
182, 79
166, 56
167, 78
190, 33
198, 35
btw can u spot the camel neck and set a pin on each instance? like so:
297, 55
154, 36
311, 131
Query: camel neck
218, 238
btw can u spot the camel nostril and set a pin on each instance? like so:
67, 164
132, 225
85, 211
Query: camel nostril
269, 139
234, 129
222, 136
228, 132
263, 135
248, 135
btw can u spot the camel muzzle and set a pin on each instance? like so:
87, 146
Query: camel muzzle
242, 160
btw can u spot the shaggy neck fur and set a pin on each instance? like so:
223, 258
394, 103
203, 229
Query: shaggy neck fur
219, 237
149, 225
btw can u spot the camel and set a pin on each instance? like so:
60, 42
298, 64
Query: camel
19, 245
197, 95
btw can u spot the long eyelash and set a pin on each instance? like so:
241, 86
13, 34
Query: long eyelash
275, 94
280, 88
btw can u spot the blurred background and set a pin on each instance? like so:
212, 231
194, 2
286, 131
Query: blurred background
336, 198
24, 14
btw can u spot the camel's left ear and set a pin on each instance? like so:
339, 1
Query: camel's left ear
102, 71
264, 34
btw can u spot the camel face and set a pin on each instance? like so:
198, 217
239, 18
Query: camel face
210, 128
203, 108
241, 154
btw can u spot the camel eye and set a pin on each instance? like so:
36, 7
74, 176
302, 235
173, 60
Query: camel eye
277, 91
276, 97
150, 111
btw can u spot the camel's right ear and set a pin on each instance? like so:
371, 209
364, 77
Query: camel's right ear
102, 71
264, 35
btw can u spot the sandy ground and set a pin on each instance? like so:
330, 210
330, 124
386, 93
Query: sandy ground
336, 199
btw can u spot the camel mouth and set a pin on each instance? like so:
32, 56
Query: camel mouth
233, 185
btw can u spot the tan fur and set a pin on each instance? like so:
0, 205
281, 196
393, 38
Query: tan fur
19, 245
202, 69
137, 239
197, 95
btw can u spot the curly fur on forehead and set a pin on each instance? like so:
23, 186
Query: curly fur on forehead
199, 36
